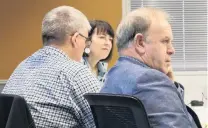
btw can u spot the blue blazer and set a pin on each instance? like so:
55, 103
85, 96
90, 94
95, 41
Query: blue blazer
162, 100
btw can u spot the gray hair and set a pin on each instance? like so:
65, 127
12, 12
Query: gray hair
137, 21
61, 22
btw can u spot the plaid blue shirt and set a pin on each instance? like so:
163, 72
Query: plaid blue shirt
53, 86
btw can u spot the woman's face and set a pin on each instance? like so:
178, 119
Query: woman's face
101, 45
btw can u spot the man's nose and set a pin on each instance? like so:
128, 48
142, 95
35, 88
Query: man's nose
171, 50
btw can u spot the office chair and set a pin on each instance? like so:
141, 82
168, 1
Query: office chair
117, 111
14, 112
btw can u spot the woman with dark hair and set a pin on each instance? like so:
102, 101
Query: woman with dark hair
98, 53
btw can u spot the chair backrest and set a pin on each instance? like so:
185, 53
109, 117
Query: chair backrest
14, 112
117, 111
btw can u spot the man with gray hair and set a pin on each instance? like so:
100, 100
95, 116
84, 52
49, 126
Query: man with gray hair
53, 80
143, 70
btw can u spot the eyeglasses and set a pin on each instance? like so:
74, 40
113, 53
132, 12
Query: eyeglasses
87, 39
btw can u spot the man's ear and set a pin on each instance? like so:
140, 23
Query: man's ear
139, 43
74, 40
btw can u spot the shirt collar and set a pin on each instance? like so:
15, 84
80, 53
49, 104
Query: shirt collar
133, 60
50, 50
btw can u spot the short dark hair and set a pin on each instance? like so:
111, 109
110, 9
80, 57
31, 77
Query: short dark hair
101, 27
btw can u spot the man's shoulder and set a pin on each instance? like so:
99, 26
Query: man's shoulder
149, 73
135, 78
153, 79
138, 75
134, 69
153, 74
49, 65
73, 67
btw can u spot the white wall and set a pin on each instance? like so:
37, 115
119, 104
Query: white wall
195, 83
